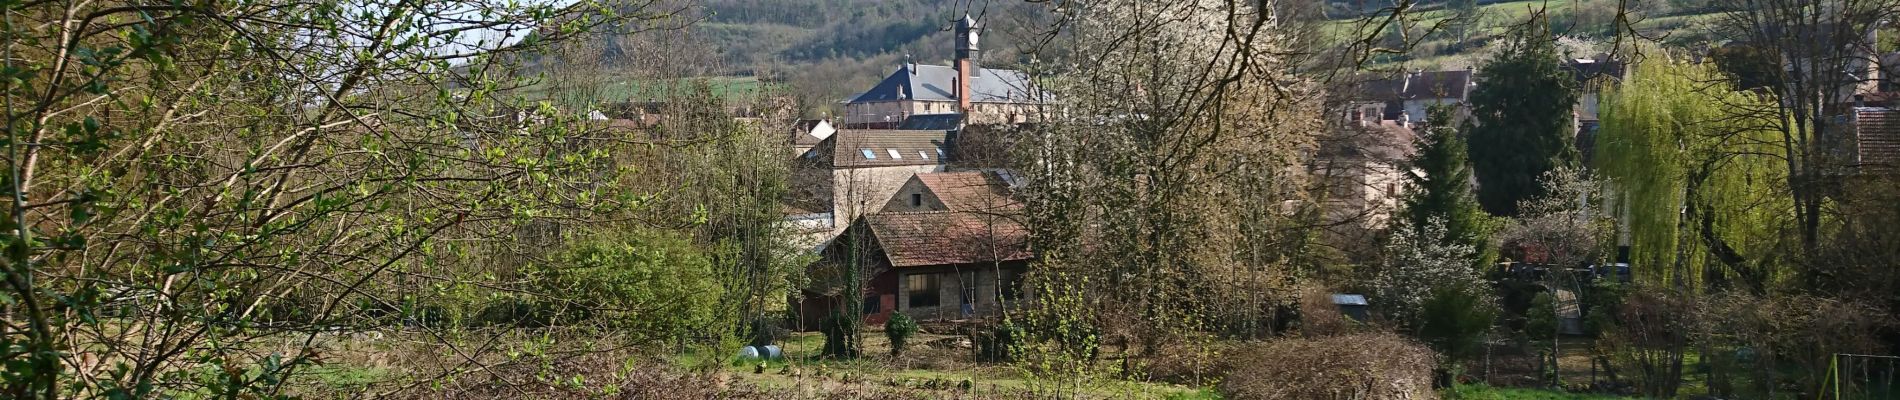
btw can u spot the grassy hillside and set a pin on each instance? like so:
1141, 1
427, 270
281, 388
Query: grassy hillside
825, 51
1585, 25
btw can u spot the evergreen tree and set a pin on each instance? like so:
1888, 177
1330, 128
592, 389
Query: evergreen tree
1522, 117
1441, 186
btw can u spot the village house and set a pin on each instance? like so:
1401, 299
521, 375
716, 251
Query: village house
1868, 141
1405, 98
854, 172
1594, 75
981, 95
946, 247
807, 133
1363, 169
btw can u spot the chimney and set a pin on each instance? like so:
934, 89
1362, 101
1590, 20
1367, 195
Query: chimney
966, 61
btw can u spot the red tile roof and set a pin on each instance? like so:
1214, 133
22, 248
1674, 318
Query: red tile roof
972, 191
1877, 138
945, 238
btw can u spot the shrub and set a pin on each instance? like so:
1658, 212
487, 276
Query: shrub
765, 330
1455, 321
513, 312
994, 345
899, 330
1359, 366
841, 336
651, 285
1319, 316
1541, 321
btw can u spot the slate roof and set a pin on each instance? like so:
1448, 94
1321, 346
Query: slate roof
1454, 84
932, 122
1588, 70
886, 148
970, 191
936, 82
944, 237
1877, 137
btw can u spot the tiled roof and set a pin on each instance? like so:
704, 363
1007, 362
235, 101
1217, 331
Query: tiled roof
945, 237
884, 148
1454, 84
971, 191
1878, 137
937, 83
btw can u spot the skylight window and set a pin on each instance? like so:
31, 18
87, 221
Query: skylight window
921, 154
868, 154
895, 155
939, 151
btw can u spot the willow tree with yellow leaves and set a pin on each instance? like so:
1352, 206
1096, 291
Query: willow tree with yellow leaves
1697, 186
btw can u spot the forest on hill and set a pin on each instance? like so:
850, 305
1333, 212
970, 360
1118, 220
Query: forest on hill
826, 51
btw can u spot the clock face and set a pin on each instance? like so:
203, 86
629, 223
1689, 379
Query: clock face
972, 39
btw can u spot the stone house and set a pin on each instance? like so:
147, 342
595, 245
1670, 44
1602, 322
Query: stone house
946, 248
855, 172
1363, 169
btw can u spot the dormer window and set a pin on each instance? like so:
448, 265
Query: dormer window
868, 154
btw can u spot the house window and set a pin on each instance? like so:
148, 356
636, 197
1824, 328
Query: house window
868, 154
921, 154
916, 199
895, 155
1009, 285
922, 289
871, 306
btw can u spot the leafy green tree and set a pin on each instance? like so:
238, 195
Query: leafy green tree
1441, 188
1522, 121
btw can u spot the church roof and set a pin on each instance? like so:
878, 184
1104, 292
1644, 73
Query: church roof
938, 83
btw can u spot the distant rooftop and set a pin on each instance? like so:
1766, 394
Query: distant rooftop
885, 148
937, 83
1454, 84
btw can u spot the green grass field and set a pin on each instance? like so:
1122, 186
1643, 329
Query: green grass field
1588, 20
922, 365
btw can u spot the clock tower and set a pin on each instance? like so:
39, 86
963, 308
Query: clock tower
967, 52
